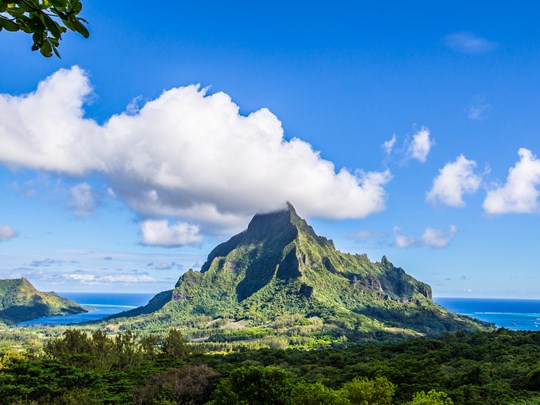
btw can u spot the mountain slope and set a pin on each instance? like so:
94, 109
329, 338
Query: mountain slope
20, 301
279, 268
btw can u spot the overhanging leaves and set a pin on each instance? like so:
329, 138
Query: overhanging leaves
45, 20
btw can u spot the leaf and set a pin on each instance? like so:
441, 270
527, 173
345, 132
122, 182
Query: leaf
77, 7
9, 25
59, 4
46, 49
68, 23
24, 26
52, 26
37, 38
15, 12
25, 7
36, 24
56, 51
80, 28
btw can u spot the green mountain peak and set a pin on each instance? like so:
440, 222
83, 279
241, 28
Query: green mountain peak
280, 267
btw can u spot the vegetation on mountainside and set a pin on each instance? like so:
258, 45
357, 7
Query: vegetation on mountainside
278, 278
478, 368
20, 301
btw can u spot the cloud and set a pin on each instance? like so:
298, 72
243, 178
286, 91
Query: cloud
168, 266
82, 199
403, 241
6, 233
134, 106
519, 194
45, 263
198, 264
437, 238
420, 145
94, 279
434, 238
469, 43
478, 110
46, 129
454, 180
160, 233
127, 278
365, 235
373, 239
83, 278
388, 145
187, 155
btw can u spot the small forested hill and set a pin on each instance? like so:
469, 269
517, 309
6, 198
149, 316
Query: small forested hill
20, 301
279, 273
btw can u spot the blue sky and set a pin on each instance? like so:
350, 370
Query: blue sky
160, 136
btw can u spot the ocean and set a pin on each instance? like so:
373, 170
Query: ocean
515, 314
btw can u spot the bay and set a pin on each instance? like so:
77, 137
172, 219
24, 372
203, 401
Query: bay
100, 305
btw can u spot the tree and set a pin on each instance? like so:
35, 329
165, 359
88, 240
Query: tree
192, 384
316, 394
364, 391
254, 386
46, 20
174, 345
433, 397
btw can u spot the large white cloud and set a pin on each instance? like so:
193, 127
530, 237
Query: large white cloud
420, 145
520, 193
454, 180
46, 129
185, 154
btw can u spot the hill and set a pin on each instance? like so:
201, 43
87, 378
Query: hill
279, 275
20, 301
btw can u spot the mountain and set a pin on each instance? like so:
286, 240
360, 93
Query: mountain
20, 301
280, 272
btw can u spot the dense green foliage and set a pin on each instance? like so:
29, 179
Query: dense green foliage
20, 301
500, 367
45, 20
279, 284
480, 368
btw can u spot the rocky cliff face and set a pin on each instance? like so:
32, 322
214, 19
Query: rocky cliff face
280, 266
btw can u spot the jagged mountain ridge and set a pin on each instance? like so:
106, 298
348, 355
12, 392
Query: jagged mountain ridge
279, 266
20, 301
284, 247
